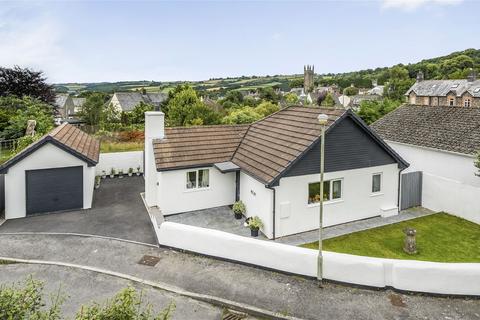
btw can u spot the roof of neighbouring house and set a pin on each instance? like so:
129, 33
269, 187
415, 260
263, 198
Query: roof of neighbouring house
67, 138
451, 129
78, 102
197, 146
129, 100
264, 149
441, 88
61, 99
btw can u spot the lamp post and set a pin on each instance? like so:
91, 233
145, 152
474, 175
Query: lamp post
322, 120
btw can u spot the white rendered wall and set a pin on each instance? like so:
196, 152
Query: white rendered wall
421, 276
48, 156
295, 215
173, 196
439, 163
119, 160
449, 180
258, 201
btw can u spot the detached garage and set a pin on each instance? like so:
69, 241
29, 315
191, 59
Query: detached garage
55, 173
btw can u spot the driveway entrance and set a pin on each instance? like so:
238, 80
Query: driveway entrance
117, 211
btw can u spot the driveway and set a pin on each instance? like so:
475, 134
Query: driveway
118, 211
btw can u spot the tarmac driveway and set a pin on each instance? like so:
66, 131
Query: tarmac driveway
117, 211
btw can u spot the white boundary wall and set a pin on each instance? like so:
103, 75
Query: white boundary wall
431, 277
119, 160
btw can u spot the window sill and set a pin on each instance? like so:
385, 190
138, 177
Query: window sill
196, 190
312, 205
376, 194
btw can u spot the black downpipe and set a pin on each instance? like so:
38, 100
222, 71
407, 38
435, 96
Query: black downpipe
273, 211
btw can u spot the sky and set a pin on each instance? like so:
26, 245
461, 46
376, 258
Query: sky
94, 41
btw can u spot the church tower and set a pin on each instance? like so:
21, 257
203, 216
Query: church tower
308, 75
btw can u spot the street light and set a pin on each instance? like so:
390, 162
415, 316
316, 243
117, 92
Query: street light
322, 120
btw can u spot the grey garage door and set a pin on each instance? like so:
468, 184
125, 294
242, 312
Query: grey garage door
50, 190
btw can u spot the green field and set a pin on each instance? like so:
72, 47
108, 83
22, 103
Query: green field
440, 237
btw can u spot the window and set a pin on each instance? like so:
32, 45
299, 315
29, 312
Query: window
451, 102
198, 179
332, 190
376, 183
467, 102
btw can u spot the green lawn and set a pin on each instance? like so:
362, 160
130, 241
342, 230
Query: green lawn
440, 237
120, 146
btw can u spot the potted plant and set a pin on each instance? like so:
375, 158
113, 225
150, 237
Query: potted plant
104, 174
97, 182
239, 209
130, 172
255, 224
120, 173
112, 173
138, 171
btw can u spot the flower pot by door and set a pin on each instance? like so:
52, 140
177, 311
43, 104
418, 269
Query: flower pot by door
254, 232
238, 215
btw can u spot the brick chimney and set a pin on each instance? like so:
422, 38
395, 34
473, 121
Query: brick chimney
154, 129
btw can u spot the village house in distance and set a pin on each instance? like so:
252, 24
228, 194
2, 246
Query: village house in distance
452, 93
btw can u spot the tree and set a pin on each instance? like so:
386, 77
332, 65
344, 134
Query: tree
22, 82
350, 91
137, 115
28, 109
291, 98
266, 108
242, 116
328, 101
185, 108
232, 98
372, 110
92, 110
398, 83
268, 94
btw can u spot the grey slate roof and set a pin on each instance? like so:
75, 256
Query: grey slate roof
78, 102
440, 88
452, 129
61, 100
128, 100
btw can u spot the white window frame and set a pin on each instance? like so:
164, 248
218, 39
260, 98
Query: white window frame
381, 183
467, 103
330, 195
197, 182
451, 102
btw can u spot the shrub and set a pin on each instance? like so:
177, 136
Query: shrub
255, 223
239, 207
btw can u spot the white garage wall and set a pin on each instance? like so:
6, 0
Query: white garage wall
119, 160
294, 214
258, 201
421, 276
46, 157
449, 180
173, 197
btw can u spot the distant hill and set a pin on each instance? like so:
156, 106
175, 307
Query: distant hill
453, 66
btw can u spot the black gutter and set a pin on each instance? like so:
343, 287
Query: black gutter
273, 211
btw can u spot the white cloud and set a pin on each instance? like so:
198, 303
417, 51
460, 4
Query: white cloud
410, 5
30, 41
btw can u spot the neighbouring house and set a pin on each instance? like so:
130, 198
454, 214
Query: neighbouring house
453, 93
78, 104
127, 101
441, 143
55, 173
356, 100
64, 105
273, 166
376, 90
344, 100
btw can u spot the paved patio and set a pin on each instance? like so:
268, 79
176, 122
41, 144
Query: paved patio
222, 219
118, 211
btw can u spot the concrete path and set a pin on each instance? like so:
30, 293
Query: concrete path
81, 287
355, 226
276, 292
118, 211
